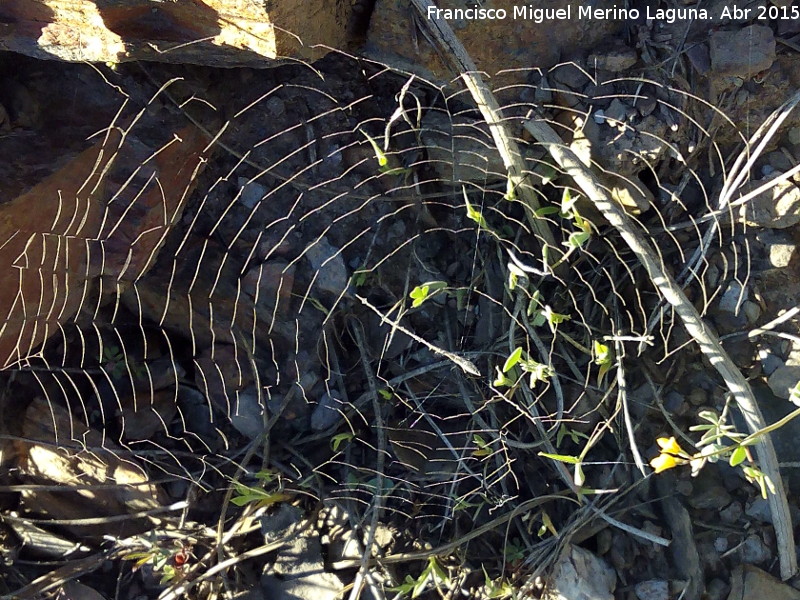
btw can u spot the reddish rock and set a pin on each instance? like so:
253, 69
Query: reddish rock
210, 32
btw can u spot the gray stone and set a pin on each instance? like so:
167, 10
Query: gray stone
299, 572
759, 509
783, 380
754, 550
717, 589
708, 495
778, 247
327, 412
653, 589
580, 575
328, 266
778, 207
769, 362
742, 53
251, 192
460, 150
731, 513
247, 413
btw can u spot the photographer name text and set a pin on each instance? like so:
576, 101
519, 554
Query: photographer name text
581, 12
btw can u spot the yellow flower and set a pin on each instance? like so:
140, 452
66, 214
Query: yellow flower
670, 445
662, 462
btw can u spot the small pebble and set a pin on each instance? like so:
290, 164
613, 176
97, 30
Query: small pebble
754, 551
654, 589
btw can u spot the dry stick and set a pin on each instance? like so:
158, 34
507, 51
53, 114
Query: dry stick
490, 109
706, 339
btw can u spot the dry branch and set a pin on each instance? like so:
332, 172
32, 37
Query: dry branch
490, 109
707, 340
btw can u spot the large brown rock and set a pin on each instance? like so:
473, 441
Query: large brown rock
102, 217
515, 46
210, 32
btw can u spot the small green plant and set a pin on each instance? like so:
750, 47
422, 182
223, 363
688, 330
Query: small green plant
496, 589
483, 447
433, 574
167, 560
603, 358
385, 162
575, 436
515, 365
514, 551
339, 438
542, 313
425, 291
259, 496
115, 364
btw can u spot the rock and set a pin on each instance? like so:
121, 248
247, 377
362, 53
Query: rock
251, 192
749, 582
41, 230
72, 590
270, 285
460, 150
327, 412
759, 509
754, 550
717, 589
580, 575
220, 33
151, 413
196, 420
220, 373
616, 59
329, 272
769, 361
783, 380
509, 45
299, 571
247, 415
742, 53
277, 524
776, 208
731, 513
683, 550
635, 197
49, 456
778, 247
708, 495
732, 297
653, 589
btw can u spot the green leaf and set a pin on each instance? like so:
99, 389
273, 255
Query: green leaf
738, 456
386, 394
565, 458
546, 210
337, 440
602, 353
511, 192
426, 290
577, 239
474, 214
512, 360
383, 161
502, 380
